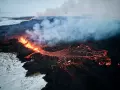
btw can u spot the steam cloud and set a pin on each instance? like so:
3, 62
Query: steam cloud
95, 19
70, 29
94, 8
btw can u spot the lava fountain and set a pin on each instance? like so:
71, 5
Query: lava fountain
70, 55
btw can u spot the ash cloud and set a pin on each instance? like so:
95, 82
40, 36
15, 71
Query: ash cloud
72, 29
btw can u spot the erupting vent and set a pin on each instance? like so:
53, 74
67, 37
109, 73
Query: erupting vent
70, 56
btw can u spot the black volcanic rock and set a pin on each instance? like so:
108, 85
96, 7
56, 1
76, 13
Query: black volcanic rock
89, 77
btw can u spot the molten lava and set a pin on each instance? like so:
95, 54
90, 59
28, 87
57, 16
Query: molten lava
70, 56
30, 45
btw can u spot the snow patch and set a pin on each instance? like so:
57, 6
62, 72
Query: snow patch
6, 21
12, 75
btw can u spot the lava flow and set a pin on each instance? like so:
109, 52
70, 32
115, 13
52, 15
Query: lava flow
70, 56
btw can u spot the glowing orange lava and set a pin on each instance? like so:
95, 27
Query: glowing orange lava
37, 49
70, 56
82, 52
30, 45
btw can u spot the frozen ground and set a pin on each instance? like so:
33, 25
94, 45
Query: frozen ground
12, 75
7, 21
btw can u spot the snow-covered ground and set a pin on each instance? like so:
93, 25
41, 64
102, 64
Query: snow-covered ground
12, 75
7, 21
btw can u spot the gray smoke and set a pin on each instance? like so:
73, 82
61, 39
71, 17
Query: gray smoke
94, 8
96, 19
73, 29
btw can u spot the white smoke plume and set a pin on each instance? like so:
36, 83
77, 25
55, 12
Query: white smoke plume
94, 8
94, 19
72, 29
